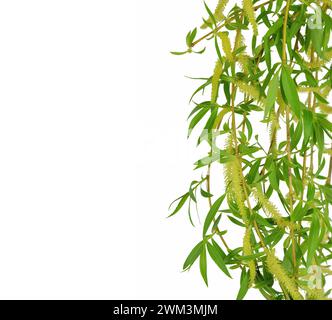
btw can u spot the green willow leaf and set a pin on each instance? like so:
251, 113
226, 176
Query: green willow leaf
212, 212
253, 172
191, 37
271, 94
308, 125
289, 88
203, 265
244, 285
219, 250
198, 117
274, 28
182, 201
313, 240
267, 50
317, 40
179, 53
206, 194
193, 255
296, 137
218, 258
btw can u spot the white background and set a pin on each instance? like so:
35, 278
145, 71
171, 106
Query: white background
93, 149
66, 197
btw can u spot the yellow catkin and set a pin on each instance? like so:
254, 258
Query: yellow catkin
238, 189
281, 102
274, 266
316, 294
228, 168
328, 55
215, 80
218, 13
247, 251
243, 61
233, 179
239, 40
271, 210
316, 64
325, 91
220, 117
309, 89
249, 11
226, 45
250, 90
325, 108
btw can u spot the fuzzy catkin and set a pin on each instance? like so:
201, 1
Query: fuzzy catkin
226, 45
237, 188
249, 11
233, 179
281, 102
325, 91
250, 90
220, 117
316, 294
247, 251
325, 108
271, 209
309, 89
243, 61
274, 266
328, 55
239, 40
318, 63
228, 168
218, 13
215, 81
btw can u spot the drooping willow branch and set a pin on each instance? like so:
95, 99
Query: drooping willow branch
278, 194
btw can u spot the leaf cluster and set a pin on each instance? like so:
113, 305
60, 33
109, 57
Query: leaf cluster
273, 63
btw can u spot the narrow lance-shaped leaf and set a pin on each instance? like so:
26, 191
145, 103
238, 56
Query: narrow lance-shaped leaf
313, 240
193, 255
217, 258
203, 265
289, 88
182, 201
271, 94
244, 285
308, 126
212, 212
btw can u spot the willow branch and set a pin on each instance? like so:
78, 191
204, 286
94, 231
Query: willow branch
211, 33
